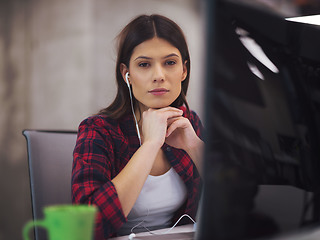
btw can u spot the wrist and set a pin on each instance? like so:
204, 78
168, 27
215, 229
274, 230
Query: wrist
195, 152
152, 144
195, 149
197, 145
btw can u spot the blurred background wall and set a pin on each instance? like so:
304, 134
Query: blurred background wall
57, 62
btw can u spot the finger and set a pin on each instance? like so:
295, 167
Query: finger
169, 113
168, 110
173, 119
175, 124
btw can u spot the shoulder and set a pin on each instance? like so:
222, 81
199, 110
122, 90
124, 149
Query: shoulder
104, 125
98, 121
98, 126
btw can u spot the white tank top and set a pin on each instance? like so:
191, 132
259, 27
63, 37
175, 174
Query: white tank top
160, 197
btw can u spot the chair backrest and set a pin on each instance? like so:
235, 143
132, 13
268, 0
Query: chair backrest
50, 165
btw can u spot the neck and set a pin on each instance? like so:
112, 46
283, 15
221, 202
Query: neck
138, 112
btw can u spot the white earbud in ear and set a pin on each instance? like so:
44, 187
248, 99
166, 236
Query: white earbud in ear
127, 79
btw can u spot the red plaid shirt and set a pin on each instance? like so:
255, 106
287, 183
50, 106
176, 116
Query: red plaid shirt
104, 146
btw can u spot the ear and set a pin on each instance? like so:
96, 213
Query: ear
124, 70
185, 71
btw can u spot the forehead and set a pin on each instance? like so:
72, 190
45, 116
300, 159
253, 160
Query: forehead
154, 48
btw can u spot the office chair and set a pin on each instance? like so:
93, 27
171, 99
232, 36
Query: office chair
50, 165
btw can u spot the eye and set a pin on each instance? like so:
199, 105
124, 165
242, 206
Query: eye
144, 64
170, 62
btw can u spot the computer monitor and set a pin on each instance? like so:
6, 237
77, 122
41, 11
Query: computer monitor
262, 109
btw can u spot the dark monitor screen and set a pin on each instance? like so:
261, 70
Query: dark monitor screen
262, 105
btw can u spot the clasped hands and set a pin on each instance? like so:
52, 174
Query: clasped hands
168, 125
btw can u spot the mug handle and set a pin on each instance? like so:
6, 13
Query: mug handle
31, 224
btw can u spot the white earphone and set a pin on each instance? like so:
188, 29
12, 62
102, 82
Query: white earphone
127, 79
131, 101
132, 236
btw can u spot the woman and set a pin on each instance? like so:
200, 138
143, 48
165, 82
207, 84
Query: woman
138, 160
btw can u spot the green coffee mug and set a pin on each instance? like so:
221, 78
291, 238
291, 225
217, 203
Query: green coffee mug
66, 222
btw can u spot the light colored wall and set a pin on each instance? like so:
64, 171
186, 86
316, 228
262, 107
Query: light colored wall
57, 63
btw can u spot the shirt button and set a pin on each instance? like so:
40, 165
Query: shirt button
168, 149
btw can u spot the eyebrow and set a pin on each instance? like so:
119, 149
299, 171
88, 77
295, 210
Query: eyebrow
149, 58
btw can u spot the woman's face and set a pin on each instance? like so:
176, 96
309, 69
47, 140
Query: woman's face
155, 73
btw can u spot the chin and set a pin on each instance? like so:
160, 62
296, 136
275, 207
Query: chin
159, 105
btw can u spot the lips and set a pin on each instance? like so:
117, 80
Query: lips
159, 91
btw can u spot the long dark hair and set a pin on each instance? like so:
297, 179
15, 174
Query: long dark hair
141, 29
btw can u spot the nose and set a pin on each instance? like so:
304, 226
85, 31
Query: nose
158, 75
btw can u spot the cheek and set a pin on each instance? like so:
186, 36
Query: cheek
138, 89
179, 88
137, 82
139, 78
179, 74
176, 90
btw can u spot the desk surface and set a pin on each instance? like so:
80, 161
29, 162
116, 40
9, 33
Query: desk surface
185, 232
307, 234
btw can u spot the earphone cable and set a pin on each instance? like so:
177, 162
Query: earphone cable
135, 119
167, 231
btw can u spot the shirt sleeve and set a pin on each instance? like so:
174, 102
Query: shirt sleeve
197, 186
93, 159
